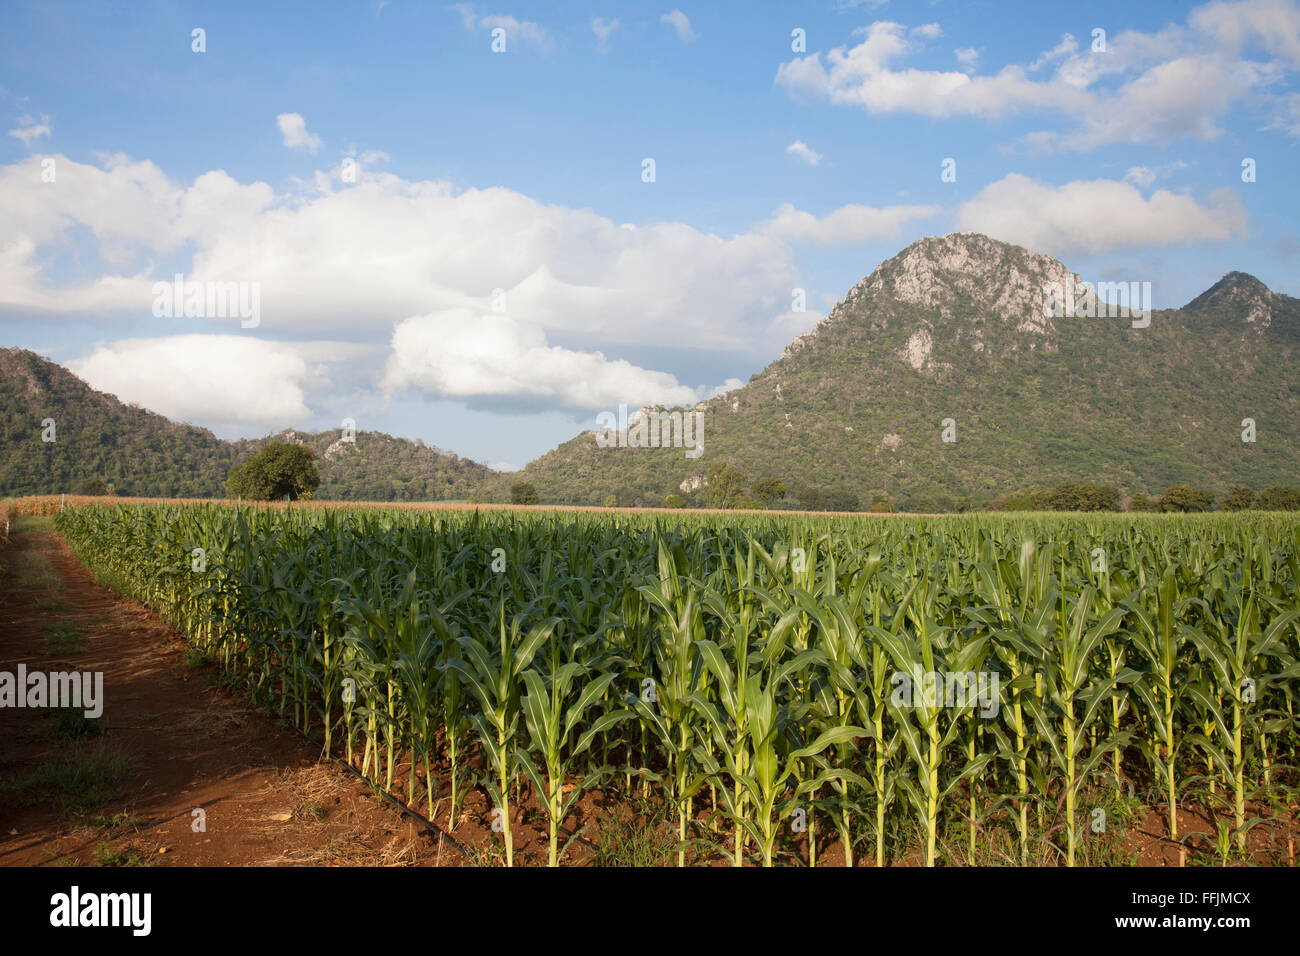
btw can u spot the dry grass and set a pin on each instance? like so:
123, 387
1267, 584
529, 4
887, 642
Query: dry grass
312, 798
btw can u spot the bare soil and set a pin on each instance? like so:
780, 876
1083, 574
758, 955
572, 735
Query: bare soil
266, 798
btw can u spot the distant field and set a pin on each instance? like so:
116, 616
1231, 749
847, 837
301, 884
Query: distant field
52, 504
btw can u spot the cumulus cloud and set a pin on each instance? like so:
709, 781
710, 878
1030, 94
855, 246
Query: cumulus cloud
518, 32
1067, 47
681, 23
293, 128
353, 260
1179, 81
847, 224
1273, 24
28, 129
356, 258
226, 379
801, 149
467, 354
968, 57
603, 29
864, 76
1146, 175
1092, 216
1287, 115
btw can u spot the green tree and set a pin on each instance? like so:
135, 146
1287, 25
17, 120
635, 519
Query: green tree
881, 507
93, 486
279, 469
725, 486
1239, 498
674, 501
1139, 502
1082, 496
768, 490
1280, 498
523, 493
1184, 498
611, 501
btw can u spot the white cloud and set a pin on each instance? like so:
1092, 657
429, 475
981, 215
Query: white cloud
518, 32
226, 379
1146, 175
467, 15
1092, 216
847, 224
294, 130
352, 261
28, 129
357, 258
1067, 47
928, 31
603, 29
1140, 175
863, 76
521, 30
968, 57
1179, 81
681, 23
1273, 24
800, 148
1287, 116
468, 354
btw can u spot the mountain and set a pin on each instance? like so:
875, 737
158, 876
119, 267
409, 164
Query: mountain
138, 452
953, 328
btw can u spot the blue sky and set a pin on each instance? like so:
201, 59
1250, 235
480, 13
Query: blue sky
458, 244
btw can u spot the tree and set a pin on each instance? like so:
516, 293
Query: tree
1184, 498
611, 501
1280, 498
1082, 496
1239, 498
93, 486
881, 507
674, 501
523, 493
725, 485
768, 490
1139, 502
279, 469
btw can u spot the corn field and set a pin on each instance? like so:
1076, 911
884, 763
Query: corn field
902, 689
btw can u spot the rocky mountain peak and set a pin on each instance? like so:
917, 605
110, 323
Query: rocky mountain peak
1239, 293
938, 271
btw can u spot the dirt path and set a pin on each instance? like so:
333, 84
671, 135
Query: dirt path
169, 742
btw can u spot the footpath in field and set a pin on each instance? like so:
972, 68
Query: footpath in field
122, 790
